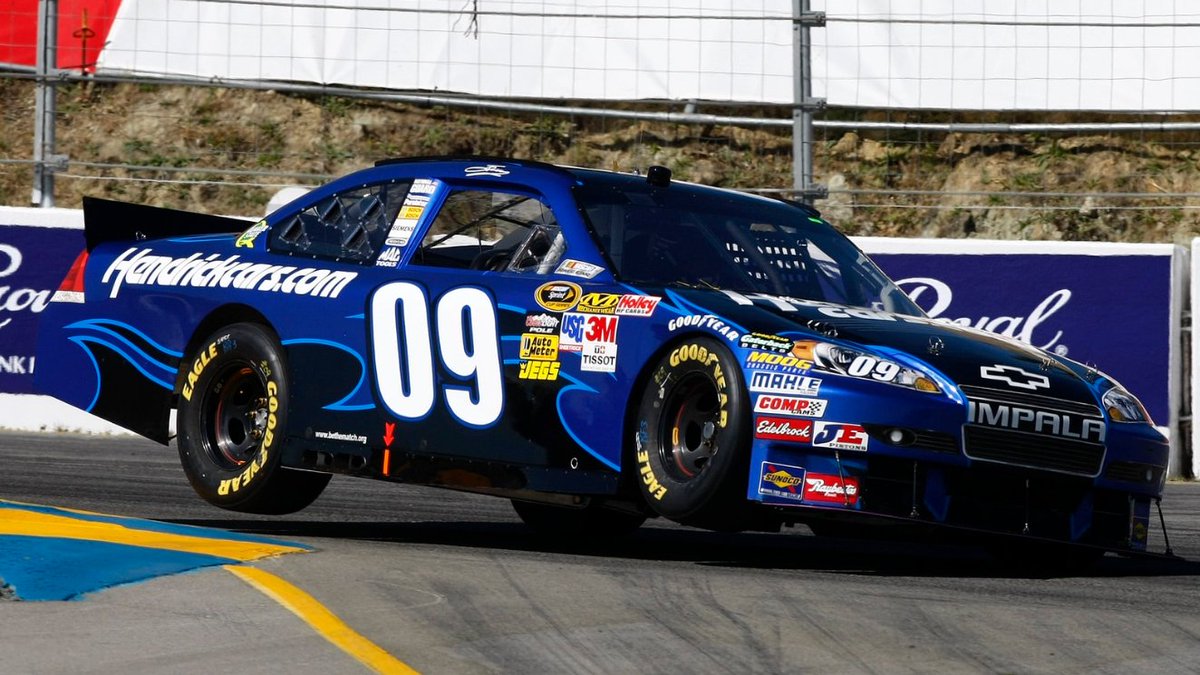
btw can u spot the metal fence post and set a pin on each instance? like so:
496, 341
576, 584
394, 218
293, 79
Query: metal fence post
44, 159
802, 113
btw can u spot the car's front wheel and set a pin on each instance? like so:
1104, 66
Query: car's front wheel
231, 421
690, 440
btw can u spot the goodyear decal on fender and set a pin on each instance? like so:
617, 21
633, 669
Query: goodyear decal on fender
558, 296
781, 481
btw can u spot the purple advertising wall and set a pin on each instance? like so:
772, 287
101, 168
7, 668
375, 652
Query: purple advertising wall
1113, 311
33, 262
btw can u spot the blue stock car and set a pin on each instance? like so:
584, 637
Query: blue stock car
597, 347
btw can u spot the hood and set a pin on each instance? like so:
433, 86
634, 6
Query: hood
965, 355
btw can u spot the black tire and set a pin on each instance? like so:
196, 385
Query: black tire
231, 422
591, 521
690, 441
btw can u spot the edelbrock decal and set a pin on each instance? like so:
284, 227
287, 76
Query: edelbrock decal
137, 267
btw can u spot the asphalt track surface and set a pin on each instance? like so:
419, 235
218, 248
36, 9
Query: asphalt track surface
453, 583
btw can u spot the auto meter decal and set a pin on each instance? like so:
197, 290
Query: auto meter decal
782, 481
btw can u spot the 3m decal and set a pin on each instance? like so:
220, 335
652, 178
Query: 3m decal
789, 405
781, 480
137, 267
784, 383
826, 489
579, 330
539, 347
783, 429
402, 352
840, 436
558, 296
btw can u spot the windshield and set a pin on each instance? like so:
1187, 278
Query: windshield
696, 237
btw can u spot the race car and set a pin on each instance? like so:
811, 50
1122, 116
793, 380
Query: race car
598, 347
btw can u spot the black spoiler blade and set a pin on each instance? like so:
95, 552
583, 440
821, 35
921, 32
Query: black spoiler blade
108, 220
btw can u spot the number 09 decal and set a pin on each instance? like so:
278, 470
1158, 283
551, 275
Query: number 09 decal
402, 352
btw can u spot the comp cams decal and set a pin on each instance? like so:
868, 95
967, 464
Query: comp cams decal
137, 267
795, 406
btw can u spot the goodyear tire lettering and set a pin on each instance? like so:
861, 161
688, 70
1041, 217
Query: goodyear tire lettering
198, 366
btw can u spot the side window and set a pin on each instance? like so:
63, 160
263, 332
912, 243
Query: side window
485, 230
349, 226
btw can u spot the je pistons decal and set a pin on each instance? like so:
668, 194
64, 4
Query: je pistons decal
558, 296
782, 481
840, 436
783, 429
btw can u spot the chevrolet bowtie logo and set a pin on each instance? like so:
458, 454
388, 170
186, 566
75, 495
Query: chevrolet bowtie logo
1014, 377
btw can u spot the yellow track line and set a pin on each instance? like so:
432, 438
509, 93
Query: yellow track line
33, 524
324, 622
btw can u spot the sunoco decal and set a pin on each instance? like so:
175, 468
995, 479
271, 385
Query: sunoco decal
781, 480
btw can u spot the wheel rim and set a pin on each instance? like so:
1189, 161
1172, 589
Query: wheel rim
690, 415
235, 417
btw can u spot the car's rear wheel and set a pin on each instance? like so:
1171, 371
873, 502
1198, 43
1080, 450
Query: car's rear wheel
232, 416
690, 444
592, 520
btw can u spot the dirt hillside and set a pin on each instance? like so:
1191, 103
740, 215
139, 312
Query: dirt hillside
115, 136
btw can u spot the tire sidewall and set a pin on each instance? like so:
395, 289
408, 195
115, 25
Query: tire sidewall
721, 479
237, 345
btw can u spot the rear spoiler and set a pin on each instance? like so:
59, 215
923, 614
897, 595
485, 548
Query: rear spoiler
108, 220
